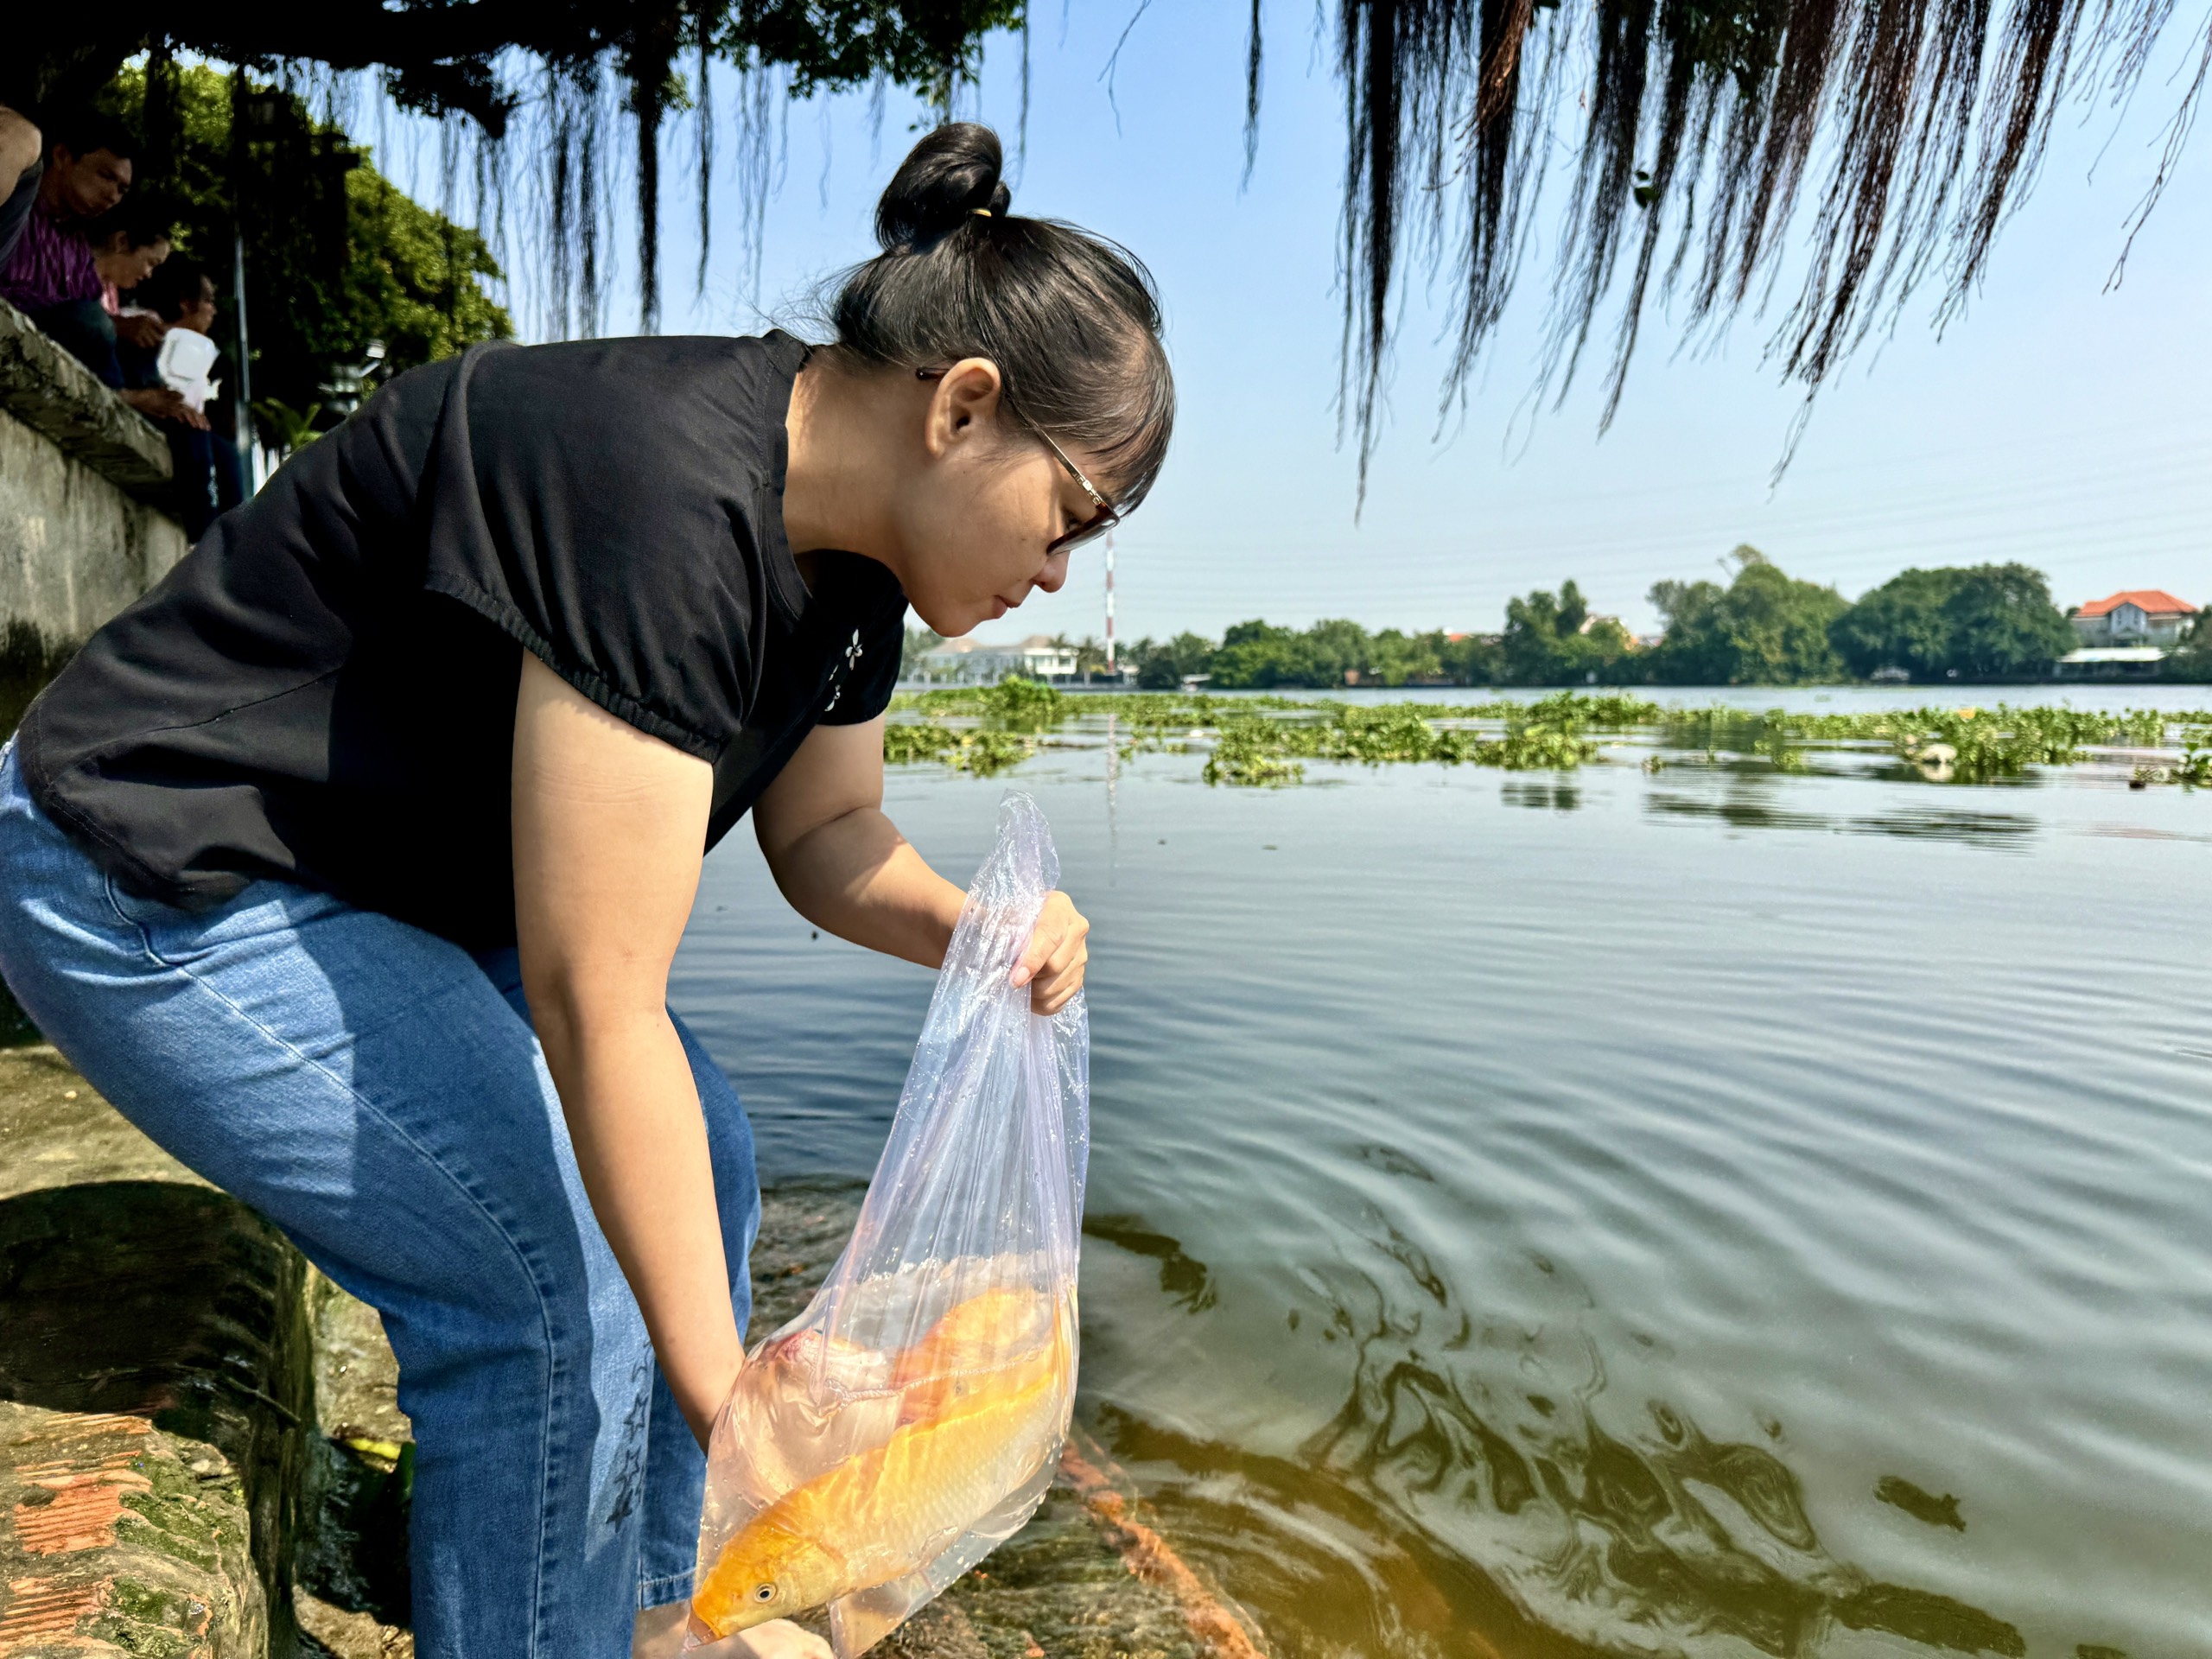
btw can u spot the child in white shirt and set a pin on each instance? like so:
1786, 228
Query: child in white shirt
187, 352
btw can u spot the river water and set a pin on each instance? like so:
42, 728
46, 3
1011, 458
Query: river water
1714, 1210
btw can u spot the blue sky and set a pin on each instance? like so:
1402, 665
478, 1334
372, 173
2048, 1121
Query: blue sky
2055, 423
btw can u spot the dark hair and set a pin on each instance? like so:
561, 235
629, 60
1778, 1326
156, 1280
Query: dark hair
1072, 320
82, 131
142, 222
175, 283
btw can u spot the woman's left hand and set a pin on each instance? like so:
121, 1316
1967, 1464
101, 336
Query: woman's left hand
1052, 965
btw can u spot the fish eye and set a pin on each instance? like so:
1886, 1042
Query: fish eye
765, 1594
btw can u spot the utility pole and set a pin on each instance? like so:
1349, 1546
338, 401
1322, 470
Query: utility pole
242, 114
1110, 668
244, 435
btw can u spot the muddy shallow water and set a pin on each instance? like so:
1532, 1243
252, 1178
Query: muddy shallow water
1713, 1211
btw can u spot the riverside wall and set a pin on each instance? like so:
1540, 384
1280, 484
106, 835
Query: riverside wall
83, 527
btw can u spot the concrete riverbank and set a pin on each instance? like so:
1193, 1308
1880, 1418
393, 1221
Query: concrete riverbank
84, 526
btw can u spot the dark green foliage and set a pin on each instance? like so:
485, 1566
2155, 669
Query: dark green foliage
1267, 749
1899, 625
980, 752
1552, 640
1164, 667
1763, 628
2003, 624
2192, 660
1989, 621
1259, 655
834, 45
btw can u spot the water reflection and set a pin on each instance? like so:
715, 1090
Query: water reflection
1184, 1281
1394, 1161
1543, 796
1467, 1498
2007, 830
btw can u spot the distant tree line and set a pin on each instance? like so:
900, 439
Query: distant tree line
1760, 628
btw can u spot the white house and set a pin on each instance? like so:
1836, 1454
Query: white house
970, 661
2140, 616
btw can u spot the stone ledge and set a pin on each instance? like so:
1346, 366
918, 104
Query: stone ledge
55, 1130
117, 1539
54, 395
167, 1305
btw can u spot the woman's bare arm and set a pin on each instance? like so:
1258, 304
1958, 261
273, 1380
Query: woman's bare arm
609, 827
844, 867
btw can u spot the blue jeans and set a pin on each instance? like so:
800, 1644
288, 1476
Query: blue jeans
378, 1093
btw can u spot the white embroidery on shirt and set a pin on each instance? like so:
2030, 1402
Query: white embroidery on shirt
854, 652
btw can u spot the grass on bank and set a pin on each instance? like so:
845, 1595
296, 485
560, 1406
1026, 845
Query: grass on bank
1264, 741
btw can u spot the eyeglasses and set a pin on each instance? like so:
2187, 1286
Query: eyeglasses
1098, 523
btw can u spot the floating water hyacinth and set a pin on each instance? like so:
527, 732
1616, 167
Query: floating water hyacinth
1268, 740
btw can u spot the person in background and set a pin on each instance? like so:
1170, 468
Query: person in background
128, 246
52, 273
182, 298
20, 168
182, 301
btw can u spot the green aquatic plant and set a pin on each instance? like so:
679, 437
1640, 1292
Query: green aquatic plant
1013, 704
1968, 745
2192, 771
982, 752
1242, 755
1606, 711
1267, 740
1269, 747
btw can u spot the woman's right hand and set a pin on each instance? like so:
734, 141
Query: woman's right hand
778, 1639
659, 1635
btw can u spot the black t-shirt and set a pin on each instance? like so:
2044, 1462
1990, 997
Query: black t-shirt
323, 691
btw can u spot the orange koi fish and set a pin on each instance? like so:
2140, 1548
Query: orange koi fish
967, 1437
964, 1348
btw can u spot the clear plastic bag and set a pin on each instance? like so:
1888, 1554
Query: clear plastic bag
910, 1418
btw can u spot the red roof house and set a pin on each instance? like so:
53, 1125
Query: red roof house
2146, 615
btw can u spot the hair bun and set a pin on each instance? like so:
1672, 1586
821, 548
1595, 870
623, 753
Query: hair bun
945, 178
